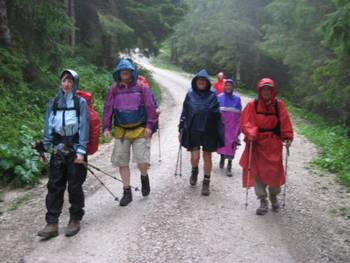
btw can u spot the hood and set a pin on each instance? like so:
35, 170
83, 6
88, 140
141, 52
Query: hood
201, 74
266, 82
76, 79
125, 64
230, 81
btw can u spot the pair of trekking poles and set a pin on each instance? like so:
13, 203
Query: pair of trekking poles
249, 173
178, 170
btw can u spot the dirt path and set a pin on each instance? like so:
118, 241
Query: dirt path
177, 224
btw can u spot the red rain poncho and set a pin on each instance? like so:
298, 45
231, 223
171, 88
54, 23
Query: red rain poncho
256, 124
219, 86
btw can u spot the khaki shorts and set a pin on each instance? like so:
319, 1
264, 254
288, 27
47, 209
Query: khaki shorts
141, 150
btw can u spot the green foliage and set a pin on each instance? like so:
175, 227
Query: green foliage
43, 44
19, 165
303, 45
333, 145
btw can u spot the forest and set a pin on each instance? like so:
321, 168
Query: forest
40, 38
303, 45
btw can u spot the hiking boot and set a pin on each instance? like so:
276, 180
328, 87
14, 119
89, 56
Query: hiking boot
205, 186
49, 231
274, 203
145, 189
73, 228
194, 176
264, 207
222, 162
127, 197
229, 168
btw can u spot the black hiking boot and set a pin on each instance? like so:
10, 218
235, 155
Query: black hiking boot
222, 162
49, 231
205, 186
127, 197
73, 228
274, 203
145, 189
264, 207
194, 176
229, 168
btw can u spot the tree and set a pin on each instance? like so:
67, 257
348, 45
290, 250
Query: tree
5, 36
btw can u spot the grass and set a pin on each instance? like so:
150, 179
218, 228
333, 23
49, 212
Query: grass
331, 141
19, 202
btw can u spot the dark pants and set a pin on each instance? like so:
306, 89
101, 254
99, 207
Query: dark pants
63, 170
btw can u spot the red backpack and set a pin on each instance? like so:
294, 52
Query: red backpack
94, 122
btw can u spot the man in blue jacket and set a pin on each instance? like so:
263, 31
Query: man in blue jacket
201, 127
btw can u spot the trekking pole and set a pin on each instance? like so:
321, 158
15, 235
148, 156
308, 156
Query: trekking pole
102, 183
285, 175
178, 169
109, 175
249, 171
159, 146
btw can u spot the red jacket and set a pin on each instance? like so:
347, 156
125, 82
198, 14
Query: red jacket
219, 86
257, 122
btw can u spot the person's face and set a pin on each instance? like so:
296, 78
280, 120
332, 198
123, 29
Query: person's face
229, 88
125, 76
221, 76
201, 84
266, 93
66, 84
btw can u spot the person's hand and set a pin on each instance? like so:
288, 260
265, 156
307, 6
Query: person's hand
158, 112
79, 159
107, 134
45, 158
287, 143
179, 136
148, 133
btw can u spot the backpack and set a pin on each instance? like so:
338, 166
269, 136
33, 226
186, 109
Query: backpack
130, 119
94, 122
277, 129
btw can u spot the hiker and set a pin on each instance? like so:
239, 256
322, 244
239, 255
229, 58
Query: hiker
129, 105
219, 85
230, 107
265, 122
67, 131
143, 81
201, 127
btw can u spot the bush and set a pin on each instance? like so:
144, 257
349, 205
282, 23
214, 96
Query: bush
20, 165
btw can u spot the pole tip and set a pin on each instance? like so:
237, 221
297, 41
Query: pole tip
116, 199
137, 189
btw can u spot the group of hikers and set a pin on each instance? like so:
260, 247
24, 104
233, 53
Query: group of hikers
211, 121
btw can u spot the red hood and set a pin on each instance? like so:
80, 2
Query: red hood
266, 82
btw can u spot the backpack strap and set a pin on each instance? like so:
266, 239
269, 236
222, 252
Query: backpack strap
276, 105
76, 100
55, 106
76, 107
277, 128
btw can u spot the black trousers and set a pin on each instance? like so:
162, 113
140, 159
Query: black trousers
64, 171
